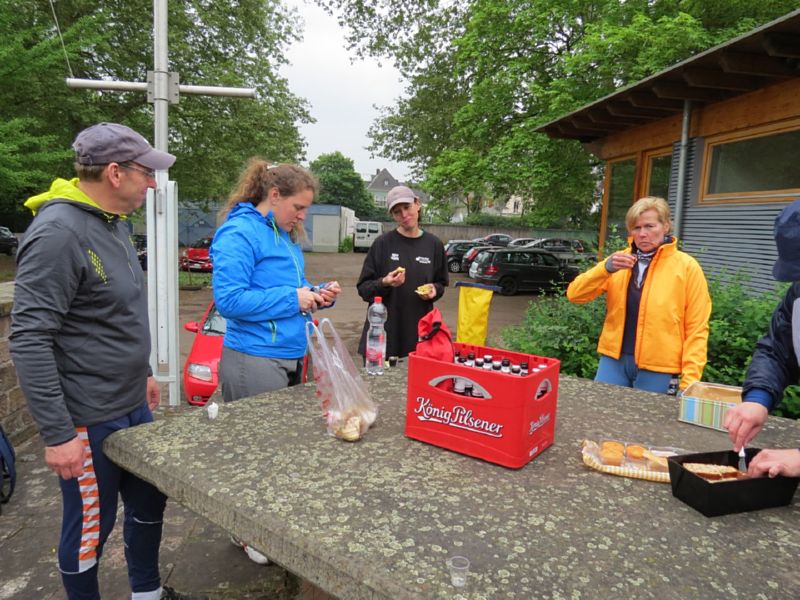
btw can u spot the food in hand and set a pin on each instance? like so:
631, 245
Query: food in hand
611, 456
399, 270
635, 452
424, 290
714, 472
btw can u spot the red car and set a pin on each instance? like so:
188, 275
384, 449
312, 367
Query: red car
201, 372
196, 257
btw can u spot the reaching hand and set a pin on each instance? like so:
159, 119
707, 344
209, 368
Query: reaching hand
775, 462
743, 423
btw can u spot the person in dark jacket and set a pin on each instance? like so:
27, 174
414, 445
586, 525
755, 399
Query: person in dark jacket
80, 341
398, 263
775, 360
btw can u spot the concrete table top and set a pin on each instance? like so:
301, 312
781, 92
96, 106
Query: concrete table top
379, 518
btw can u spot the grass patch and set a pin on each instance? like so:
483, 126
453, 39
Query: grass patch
190, 278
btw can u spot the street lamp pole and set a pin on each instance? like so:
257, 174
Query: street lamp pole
163, 88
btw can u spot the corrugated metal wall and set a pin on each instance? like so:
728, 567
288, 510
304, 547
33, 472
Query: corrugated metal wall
726, 238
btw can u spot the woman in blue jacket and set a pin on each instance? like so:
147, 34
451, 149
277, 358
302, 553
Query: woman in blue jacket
259, 281
260, 286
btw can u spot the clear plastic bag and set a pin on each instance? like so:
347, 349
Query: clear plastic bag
346, 404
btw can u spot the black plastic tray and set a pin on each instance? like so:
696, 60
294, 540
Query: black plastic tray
727, 497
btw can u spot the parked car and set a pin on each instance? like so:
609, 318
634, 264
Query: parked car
8, 241
366, 233
521, 269
196, 257
564, 249
521, 241
495, 239
470, 255
140, 244
456, 252
451, 243
201, 371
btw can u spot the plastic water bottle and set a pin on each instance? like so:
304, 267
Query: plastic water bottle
376, 337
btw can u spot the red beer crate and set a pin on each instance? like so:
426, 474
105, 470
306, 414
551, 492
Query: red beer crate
510, 425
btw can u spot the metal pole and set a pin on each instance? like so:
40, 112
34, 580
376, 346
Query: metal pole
135, 86
162, 202
683, 157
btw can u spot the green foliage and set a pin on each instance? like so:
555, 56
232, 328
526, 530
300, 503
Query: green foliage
210, 43
191, 279
341, 184
553, 326
484, 74
346, 245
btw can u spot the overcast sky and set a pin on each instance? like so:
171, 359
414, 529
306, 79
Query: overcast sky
341, 93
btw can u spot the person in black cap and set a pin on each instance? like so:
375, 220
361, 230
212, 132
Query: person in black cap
80, 342
775, 360
406, 267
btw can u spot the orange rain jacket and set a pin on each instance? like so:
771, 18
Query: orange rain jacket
672, 330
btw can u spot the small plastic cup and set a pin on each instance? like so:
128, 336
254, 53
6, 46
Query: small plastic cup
459, 569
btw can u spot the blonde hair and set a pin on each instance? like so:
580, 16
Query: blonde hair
260, 177
642, 205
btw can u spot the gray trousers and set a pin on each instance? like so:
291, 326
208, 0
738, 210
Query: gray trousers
244, 375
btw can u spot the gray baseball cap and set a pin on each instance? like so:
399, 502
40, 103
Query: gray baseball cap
399, 194
111, 142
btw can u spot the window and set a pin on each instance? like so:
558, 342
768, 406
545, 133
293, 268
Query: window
549, 260
374, 228
619, 196
659, 166
758, 164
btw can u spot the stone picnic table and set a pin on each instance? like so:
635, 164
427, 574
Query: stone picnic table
377, 519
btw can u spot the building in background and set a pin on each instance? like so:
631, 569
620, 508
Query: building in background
379, 186
717, 135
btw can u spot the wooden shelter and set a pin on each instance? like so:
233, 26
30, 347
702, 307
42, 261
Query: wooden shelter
718, 135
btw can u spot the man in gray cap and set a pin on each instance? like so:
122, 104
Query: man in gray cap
406, 267
775, 360
80, 341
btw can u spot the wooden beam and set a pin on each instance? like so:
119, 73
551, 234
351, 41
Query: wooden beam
621, 109
748, 63
784, 45
602, 117
568, 131
681, 91
644, 99
716, 79
584, 124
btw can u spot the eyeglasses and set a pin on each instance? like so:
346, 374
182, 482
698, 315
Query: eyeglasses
149, 173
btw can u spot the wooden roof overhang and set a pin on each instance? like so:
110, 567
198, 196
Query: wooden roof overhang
762, 57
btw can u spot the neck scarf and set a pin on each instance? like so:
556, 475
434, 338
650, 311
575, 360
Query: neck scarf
642, 262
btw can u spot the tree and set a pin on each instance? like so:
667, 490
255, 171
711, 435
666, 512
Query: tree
484, 74
340, 184
210, 43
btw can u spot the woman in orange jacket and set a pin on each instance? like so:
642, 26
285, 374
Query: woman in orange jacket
658, 305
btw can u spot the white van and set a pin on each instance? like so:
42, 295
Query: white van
366, 233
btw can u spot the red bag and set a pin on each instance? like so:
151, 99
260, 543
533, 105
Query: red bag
435, 341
